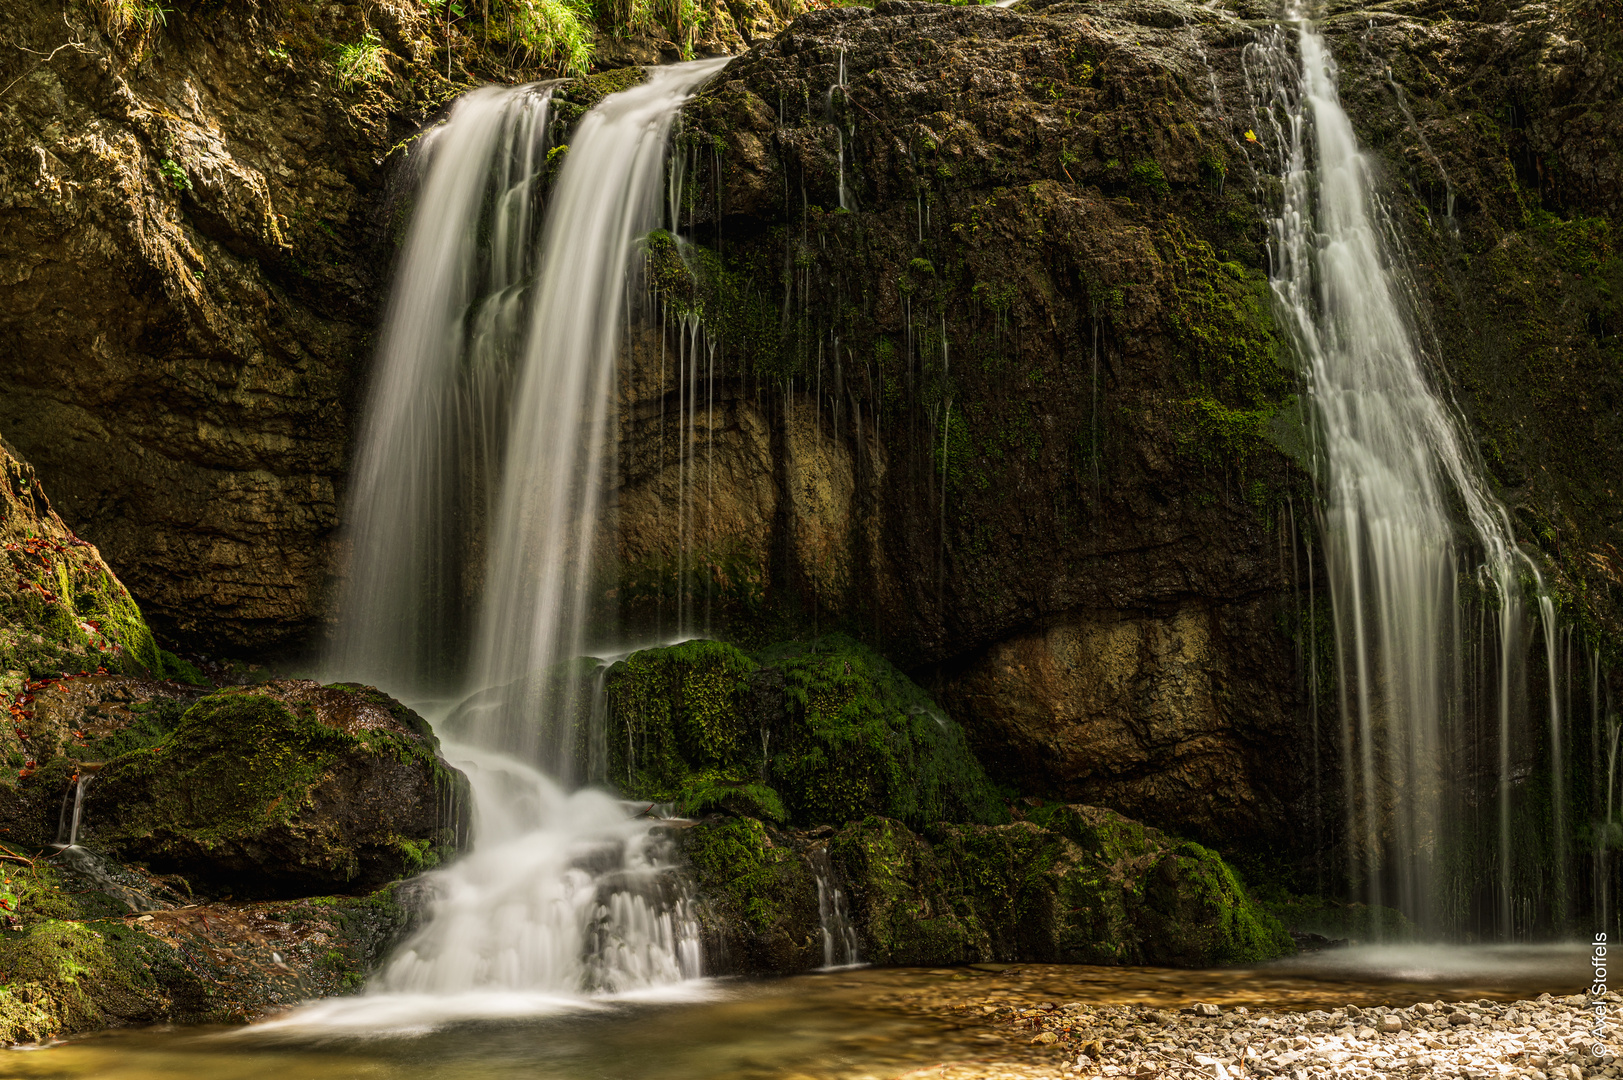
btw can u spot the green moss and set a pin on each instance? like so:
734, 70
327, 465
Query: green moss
678, 711
233, 778
1206, 914
706, 793
65, 977
733, 860
860, 737
824, 732
1223, 324
236, 763
152, 723
1148, 176
901, 897
693, 281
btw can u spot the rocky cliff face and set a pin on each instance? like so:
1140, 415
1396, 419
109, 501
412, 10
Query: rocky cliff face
1010, 267
195, 235
973, 357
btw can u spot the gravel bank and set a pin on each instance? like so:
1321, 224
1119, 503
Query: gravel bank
1547, 1038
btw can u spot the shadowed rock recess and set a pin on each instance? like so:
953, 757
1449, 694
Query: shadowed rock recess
956, 415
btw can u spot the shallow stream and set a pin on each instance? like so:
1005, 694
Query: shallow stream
845, 1025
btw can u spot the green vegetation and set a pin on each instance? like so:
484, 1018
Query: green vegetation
1147, 175
175, 173
230, 783
61, 611
824, 732
554, 33
736, 861
137, 15
360, 63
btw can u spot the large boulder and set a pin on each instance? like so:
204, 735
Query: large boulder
77, 959
286, 789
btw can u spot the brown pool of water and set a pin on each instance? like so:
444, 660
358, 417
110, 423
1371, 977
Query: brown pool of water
861, 1024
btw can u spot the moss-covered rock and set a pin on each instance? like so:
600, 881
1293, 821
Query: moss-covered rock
758, 895
902, 898
76, 958
818, 733
62, 609
1079, 885
1090, 886
290, 788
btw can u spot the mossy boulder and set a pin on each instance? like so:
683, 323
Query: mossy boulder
903, 898
823, 732
62, 609
1085, 886
74, 957
285, 789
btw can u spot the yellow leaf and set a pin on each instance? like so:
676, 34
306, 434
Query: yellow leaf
1251, 136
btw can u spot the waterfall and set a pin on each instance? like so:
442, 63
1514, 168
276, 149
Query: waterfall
833, 916
1391, 464
505, 349
540, 574
67, 829
432, 432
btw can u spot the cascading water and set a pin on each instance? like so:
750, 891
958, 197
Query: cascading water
435, 421
833, 916
513, 354
1391, 462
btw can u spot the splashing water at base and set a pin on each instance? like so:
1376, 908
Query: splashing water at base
565, 903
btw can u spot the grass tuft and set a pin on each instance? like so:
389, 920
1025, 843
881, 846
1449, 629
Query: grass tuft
361, 64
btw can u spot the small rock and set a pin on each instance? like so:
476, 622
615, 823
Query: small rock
1094, 1050
1201, 1008
1459, 1018
1389, 1025
1046, 1038
1425, 1009
1366, 1033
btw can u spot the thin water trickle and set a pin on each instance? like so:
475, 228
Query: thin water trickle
67, 829
565, 898
840, 945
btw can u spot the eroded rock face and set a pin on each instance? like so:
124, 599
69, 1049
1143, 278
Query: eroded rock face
1124, 711
193, 241
1013, 270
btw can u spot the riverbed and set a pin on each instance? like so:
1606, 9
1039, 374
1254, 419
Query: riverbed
841, 1025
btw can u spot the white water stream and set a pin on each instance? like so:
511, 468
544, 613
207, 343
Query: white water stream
1394, 472
507, 355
